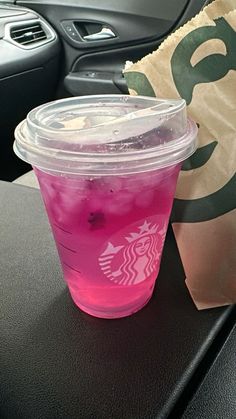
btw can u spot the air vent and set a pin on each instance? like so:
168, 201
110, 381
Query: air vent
28, 34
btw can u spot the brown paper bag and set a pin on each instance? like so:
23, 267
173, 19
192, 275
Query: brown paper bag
198, 63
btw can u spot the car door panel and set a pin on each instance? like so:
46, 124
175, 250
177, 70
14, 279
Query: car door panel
98, 36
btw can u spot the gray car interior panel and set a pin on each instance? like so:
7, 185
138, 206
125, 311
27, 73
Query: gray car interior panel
130, 29
28, 75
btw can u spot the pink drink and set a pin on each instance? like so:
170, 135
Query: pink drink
110, 233
107, 167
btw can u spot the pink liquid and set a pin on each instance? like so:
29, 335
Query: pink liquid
110, 233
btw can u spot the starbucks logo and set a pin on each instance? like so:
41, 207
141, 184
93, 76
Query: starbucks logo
132, 259
200, 170
207, 186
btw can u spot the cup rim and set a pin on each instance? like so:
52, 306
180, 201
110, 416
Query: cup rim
40, 150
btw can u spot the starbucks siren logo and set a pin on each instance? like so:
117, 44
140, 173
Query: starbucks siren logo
219, 185
134, 261
218, 70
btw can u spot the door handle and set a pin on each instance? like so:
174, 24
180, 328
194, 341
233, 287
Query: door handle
105, 33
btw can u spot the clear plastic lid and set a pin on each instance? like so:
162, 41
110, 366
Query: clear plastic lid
109, 134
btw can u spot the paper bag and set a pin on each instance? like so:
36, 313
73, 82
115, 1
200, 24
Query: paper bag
198, 63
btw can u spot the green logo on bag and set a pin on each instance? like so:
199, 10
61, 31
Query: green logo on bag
186, 76
211, 68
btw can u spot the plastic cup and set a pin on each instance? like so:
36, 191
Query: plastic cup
107, 168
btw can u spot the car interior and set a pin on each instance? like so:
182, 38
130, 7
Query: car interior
183, 363
51, 49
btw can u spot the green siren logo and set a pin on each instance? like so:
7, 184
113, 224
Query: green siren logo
212, 168
211, 68
215, 67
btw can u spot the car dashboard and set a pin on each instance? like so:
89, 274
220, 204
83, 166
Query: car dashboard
29, 51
